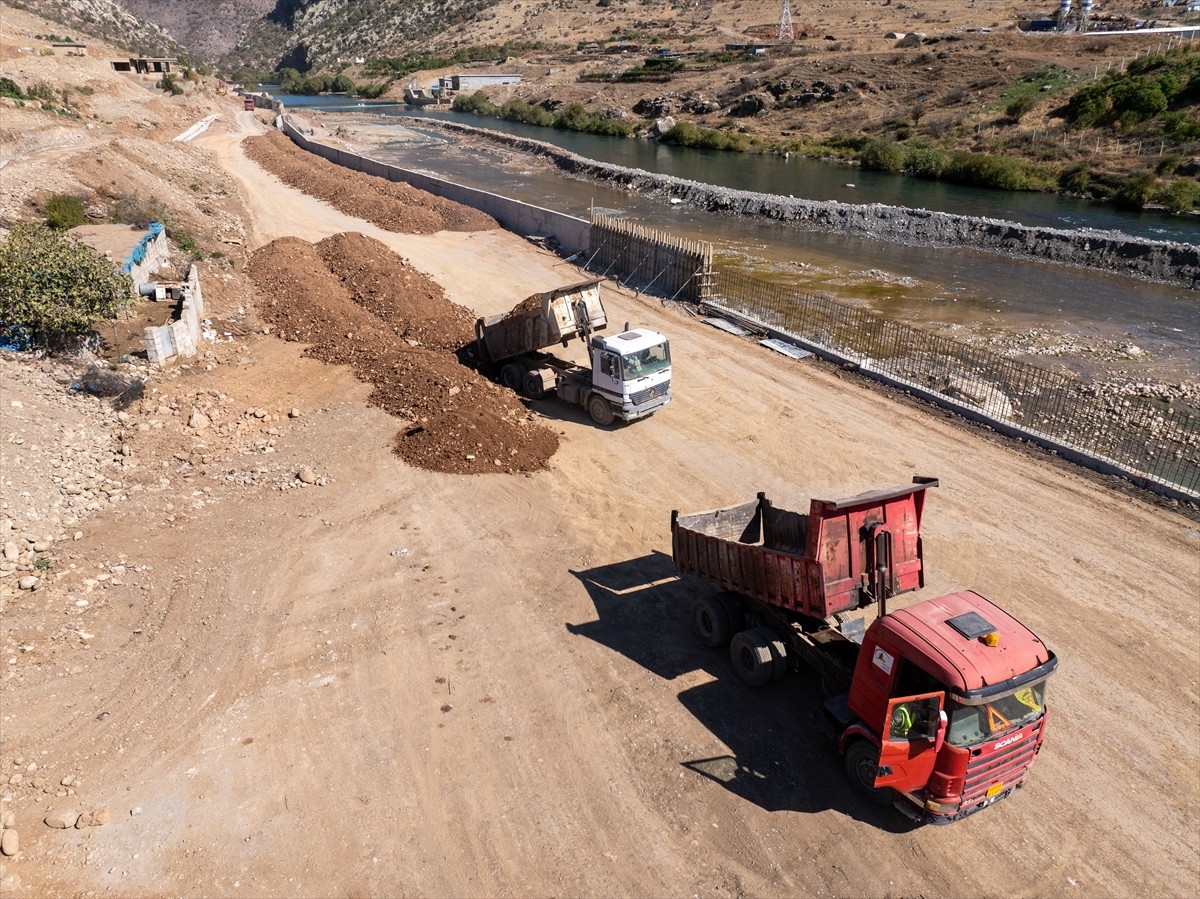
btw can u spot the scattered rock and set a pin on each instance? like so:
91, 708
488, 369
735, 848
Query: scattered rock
307, 476
29, 582
199, 420
10, 843
62, 818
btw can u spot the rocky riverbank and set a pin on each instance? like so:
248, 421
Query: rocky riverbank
1163, 261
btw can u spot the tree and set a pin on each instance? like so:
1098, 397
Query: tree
56, 288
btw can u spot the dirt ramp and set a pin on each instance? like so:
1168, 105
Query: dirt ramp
388, 204
355, 311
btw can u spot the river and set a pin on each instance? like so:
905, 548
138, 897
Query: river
1082, 316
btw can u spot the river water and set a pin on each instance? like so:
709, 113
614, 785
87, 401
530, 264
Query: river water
962, 292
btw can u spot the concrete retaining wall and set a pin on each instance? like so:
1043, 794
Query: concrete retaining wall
145, 258
571, 234
181, 336
1165, 261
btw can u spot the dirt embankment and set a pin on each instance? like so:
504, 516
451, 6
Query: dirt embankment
388, 204
358, 304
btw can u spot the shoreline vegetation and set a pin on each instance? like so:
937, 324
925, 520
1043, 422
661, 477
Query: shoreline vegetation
1162, 188
1152, 99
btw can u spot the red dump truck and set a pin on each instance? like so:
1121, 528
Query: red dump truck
939, 708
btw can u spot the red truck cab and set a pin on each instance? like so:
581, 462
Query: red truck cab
948, 706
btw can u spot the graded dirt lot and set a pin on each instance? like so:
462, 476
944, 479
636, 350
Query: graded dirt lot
288, 662
401, 682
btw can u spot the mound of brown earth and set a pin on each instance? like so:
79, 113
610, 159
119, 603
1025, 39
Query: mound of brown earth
388, 204
461, 422
410, 302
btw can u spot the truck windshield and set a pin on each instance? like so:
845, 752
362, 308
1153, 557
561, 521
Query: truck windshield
986, 718
640, 363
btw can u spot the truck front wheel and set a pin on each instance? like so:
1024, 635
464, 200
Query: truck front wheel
752, 657
599, 409
862, 765
710, 620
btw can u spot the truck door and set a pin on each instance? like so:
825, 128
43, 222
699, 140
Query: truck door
910, 741
606, 373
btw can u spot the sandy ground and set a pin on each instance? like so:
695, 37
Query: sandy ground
405, 683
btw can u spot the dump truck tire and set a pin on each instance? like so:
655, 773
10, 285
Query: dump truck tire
753, 662
862, 762
779, 657
733, 608
599, 409
532, 385
511, 375
710, 620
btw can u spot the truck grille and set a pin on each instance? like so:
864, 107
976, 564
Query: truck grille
644, 396
1007, 766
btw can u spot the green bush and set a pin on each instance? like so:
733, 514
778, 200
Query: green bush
926, 162
140, 211
170, 84
1077, 179
64, 211
477, 103
1136, 191
987, 170
1180, 196
9, 88
1158, 85
883, 156
373, 91
685, 134
43, 91
1017, 109
55, 288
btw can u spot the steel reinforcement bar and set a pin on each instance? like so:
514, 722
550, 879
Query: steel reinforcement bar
645, 259
1154, 444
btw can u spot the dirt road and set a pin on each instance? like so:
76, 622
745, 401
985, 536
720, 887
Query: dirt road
405, 683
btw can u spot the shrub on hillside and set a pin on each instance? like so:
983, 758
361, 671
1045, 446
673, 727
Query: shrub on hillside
1136, 191
55, 288
65, 211
926, 162
1180, 196
883, 156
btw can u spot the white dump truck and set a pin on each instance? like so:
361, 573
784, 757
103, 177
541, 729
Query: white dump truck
630, 372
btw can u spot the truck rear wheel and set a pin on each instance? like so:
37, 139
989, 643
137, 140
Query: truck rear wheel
599, 409
512, 374
710, 620
862, 764
532, 385
752, 658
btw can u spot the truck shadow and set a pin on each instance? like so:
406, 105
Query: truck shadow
782, 755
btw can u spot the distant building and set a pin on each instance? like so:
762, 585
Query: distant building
476, 82
71, 47
144, 65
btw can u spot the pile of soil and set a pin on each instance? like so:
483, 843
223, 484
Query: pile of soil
388, 204
460, 422
386, 285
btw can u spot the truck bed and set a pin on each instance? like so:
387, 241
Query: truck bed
844, 554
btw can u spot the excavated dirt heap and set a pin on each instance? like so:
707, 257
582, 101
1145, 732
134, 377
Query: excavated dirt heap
388, 204
356, 303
